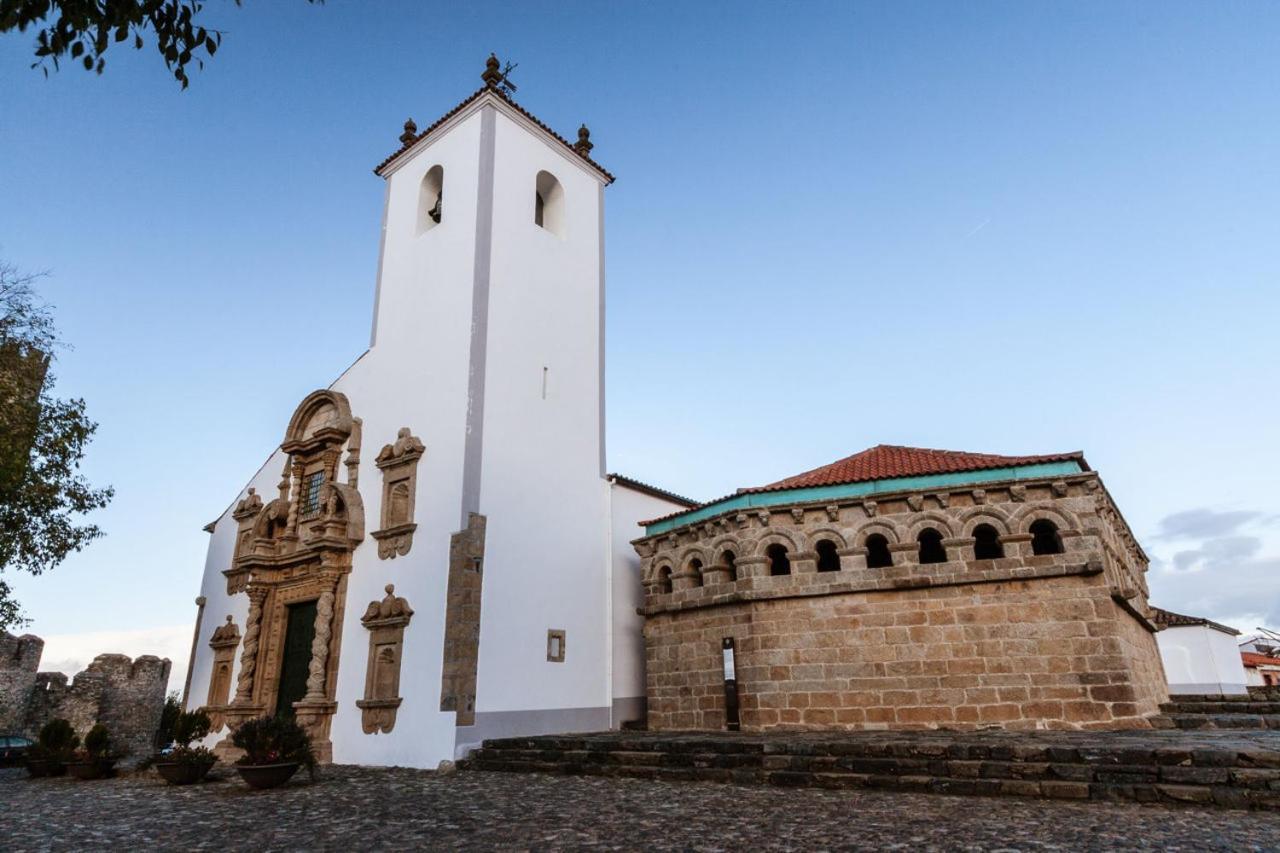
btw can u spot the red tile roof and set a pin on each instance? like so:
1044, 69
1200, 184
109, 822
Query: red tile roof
889, 461
1255, 659
502, 95
1169, 619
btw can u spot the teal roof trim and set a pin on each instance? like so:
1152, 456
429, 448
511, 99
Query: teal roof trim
853, 490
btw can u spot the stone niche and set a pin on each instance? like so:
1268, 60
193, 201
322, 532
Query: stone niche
386, 621
399, 465
225, 640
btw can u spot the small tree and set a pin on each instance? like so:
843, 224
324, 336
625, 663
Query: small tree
42, 441
168, 719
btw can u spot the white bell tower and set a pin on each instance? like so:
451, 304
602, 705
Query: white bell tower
490, 303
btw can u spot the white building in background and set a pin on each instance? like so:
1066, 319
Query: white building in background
434, 554
1199, 656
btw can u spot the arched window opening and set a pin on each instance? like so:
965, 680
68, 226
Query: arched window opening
1045, 538
664, 579
730, 561
779, 563
878, 554
431, 199
986, 543
931, 550
695, 569
548, 204
828, 559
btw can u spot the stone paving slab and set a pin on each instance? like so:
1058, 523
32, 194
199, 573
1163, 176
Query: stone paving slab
352, 808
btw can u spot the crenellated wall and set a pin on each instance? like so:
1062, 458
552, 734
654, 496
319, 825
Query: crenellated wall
124, 694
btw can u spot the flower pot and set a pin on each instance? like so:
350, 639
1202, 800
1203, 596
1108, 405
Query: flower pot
93, 769
183, 772
267, 775
38, 767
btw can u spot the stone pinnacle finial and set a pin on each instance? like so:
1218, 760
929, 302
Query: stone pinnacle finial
390, 588
228, 618
491, 76
410, 132
583, 146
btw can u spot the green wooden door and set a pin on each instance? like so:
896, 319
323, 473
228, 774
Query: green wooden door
296, 659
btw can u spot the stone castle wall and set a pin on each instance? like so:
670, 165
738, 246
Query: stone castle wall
1021, 641
125, 695
19, 660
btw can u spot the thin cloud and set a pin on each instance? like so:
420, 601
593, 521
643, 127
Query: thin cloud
1204, 523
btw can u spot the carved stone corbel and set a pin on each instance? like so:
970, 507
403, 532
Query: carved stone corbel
386, 621
399, 465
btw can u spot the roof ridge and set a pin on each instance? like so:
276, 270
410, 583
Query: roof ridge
511, 102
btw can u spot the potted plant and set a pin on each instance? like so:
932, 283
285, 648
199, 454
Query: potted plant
274, 749
97, 759
53, 746
185, 764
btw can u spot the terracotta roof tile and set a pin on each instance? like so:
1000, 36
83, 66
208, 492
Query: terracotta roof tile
473, 96
888, 461
647, 489
1169, 619
1255, 659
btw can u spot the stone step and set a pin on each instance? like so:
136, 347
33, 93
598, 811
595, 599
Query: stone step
1224, 721
1236, 770
1180, 706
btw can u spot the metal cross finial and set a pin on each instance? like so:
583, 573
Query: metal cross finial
495, 79
583, 146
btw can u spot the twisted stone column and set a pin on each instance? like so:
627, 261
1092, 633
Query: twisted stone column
320, 647
249, 653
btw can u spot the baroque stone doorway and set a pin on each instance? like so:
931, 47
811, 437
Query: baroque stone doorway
295, 657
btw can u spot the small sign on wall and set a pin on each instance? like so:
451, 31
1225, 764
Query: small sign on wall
731, 720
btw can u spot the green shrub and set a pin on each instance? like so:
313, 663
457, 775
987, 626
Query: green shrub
274, 740
190, 726
57, 739
97, 743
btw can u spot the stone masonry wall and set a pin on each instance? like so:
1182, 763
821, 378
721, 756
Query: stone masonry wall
127, 696
1023, 655
1023, 640
19, 660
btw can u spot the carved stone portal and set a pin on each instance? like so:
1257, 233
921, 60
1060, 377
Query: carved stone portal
386, 621
399, 465
294, 550
225, 640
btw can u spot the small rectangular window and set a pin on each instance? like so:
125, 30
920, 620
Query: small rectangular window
555, 646
311, 484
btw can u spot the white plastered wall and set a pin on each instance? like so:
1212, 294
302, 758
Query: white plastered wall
541, 489
1199, 659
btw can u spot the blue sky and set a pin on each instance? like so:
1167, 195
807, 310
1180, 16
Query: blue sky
1003, 227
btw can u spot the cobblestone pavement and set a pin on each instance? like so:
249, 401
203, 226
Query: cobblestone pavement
352, 808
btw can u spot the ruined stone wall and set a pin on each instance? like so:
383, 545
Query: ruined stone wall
127, 696
1024, 640
19, 660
